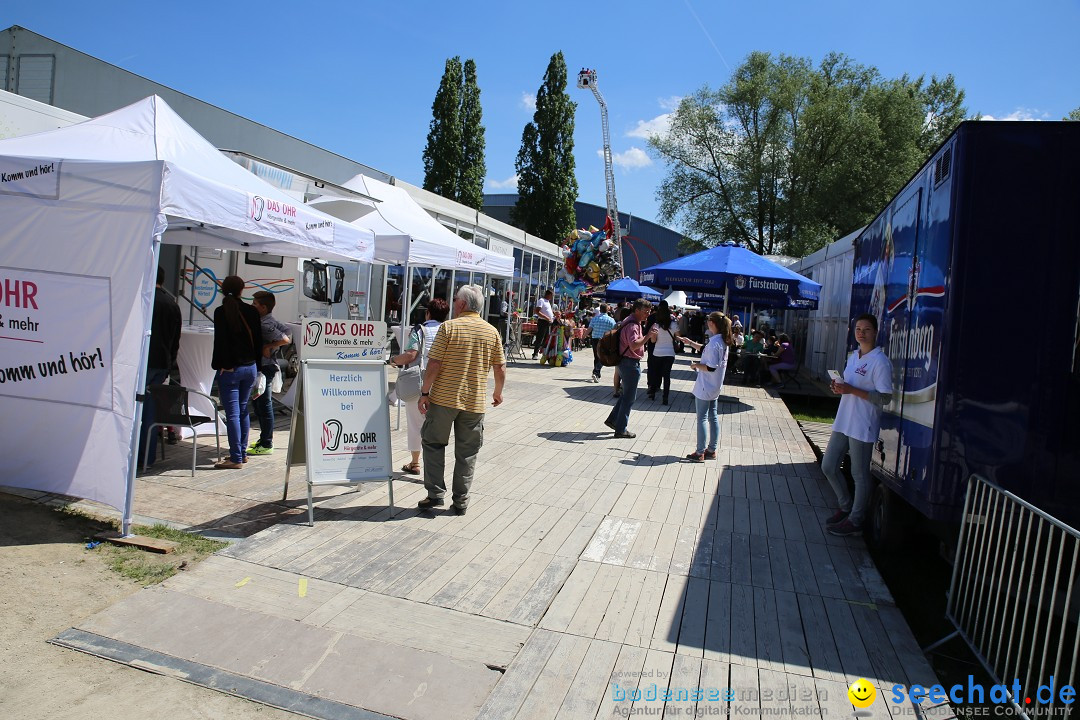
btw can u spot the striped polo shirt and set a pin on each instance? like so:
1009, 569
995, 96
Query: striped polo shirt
467, 346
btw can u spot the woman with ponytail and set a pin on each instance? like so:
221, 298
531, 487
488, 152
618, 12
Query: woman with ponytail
237, 347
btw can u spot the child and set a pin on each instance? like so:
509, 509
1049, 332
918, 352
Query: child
275, 335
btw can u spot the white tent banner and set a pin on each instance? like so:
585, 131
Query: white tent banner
279, 216
48, 352
30, 177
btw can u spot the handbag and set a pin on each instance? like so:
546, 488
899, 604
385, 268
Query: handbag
411, 379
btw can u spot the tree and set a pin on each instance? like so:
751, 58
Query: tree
547, 186
443, 154
1073, 115
473, 169
786, 156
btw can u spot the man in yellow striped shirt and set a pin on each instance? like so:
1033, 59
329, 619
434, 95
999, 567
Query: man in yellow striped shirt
453, 396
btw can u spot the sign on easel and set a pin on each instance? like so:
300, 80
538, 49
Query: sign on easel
340, 408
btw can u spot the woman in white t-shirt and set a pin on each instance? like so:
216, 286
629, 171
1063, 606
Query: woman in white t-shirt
865, 390
416, 351
662, 356
708, 385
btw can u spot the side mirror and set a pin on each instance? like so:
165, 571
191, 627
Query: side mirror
339, 283
316, 280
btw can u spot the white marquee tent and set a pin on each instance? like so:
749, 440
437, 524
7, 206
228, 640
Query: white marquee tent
415, 238
82, 212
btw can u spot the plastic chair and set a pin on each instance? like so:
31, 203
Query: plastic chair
787, 376
171, 408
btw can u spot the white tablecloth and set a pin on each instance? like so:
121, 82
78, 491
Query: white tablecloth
196, 352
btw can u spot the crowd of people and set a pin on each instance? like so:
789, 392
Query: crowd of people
456, 350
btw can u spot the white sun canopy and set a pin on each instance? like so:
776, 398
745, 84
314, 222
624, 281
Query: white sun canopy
406, 234
82, 210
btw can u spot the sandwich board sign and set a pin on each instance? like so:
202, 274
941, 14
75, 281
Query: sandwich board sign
341, 421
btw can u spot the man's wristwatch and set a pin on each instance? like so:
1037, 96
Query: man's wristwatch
424, 394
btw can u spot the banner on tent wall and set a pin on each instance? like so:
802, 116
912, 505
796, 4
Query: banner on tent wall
329, 339
28, 177
346, 421
278, 215
56, 337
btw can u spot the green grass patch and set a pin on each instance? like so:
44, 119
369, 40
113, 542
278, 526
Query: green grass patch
148, 568
805, 408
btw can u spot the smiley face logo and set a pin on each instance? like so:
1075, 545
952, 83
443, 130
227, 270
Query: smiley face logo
861, 693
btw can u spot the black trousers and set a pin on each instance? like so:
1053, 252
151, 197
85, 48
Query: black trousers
659, 372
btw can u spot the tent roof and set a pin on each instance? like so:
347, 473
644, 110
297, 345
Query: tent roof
430, 244
741, 271
199, 184
629, 287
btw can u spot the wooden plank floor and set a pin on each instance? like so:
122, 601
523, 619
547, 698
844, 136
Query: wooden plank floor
634, 575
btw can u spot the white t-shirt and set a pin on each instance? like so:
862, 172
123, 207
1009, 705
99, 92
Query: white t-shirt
709, 385
665, 340
545, 309
857, 418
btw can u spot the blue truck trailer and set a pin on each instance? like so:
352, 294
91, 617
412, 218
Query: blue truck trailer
973, 272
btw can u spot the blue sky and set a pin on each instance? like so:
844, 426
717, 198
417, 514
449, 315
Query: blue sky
358, 78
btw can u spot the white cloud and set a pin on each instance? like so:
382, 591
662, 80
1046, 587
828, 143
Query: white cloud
1020, 113
509, 183
528, 101
632, 159
646, 129
670, 103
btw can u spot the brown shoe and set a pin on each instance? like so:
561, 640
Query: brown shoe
228, 465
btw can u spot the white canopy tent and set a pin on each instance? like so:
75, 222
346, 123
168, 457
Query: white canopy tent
415, 238
83, 210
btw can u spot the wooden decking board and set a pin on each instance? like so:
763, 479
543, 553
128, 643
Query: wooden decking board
580, 536
566, 603
625, 675
555, 679
643, 621
780, 564
385, 560
492, 582
340, 563
641, 553
655, 674
824, 574
536, 532
513, 531
849, 644
743, 645
760, 567
740, 559
665, 548
590, 686
741, 516
685, 546
770, 652
714, 680
789, 515
620, 609
669, 507
685, 678
488, 560
443, 550
593, 606
520, 677
618, 550
536, 600
792, 636
555, 536
701, 563
718, 622
443, 574
627, 498
695, 612
850, 581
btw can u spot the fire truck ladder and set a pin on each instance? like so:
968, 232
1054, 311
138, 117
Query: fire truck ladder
587, 81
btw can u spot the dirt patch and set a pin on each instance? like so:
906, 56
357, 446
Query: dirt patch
51, 583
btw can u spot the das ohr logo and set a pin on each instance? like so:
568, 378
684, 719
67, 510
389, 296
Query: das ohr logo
258, 205
331, 435
313, 333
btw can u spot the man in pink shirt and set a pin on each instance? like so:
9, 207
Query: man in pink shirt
632, 348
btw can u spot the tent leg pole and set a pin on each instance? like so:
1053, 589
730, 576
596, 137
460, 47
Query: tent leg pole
140, 388
725, 298
367, 294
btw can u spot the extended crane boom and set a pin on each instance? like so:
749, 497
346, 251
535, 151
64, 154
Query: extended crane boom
587, 81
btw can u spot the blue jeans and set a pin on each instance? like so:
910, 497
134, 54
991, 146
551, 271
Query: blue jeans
264, 407
706, 413
154, 376
840, 445
629, 374
235, 389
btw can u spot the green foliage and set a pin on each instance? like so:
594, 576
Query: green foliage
473, 169
1073, 115
547, 185
443, 155
786, 156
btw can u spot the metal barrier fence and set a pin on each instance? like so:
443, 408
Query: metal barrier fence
1011, 595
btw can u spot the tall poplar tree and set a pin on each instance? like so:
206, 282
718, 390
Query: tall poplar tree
547, 186
473, 169
443, 154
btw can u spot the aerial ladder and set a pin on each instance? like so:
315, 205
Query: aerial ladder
587, 81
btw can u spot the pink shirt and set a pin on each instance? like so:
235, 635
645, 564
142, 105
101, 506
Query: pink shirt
630, 334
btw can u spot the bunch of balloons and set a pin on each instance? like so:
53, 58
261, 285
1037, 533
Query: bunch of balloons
589, 259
